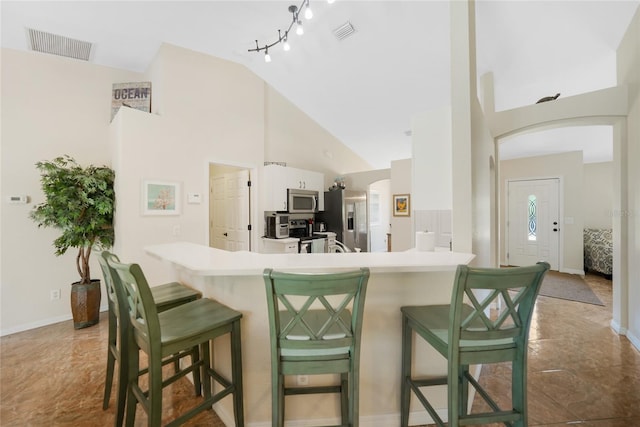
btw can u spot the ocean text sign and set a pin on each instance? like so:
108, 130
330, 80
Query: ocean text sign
133, 95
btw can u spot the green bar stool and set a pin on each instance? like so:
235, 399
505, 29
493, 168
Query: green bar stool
173, 334
166, 296
466, 334
313, 332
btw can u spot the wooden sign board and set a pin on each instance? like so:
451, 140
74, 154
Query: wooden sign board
133, 95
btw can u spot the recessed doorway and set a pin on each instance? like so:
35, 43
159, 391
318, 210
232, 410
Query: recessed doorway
229, 208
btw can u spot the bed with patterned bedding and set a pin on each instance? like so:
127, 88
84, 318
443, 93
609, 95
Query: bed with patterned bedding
598, 250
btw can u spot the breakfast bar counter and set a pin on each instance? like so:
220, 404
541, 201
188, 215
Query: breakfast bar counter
397, 279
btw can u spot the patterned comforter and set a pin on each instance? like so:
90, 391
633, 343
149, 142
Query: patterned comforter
598, 250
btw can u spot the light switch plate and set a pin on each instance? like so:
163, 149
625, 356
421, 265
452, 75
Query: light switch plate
193, 198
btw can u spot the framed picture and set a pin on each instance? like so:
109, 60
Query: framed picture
401, 205
160, 198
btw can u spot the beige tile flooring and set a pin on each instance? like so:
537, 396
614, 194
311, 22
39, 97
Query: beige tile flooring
580, 372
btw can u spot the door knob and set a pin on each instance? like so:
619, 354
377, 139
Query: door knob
225, 234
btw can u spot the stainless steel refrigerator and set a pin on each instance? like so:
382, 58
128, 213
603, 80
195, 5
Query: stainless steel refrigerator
346, 214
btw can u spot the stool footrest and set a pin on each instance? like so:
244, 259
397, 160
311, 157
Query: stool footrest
426, 382
490, 417
423, 400
312, 390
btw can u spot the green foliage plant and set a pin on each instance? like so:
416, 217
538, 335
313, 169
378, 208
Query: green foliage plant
80, 201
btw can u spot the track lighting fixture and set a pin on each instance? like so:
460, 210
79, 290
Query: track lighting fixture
284, 38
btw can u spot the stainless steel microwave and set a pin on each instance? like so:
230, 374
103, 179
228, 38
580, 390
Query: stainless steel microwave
302, 201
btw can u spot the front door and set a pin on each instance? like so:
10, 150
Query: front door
533, 219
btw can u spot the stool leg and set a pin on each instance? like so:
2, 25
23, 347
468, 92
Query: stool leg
236, 373
111, 356
519, 387
345, 409
133, 362
405, 392
453, 385
205, 368
197, 382
123, 375
277, 393
464, 390
354, 397
155, 390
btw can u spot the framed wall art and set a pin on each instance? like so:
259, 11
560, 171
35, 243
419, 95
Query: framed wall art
160, 198
401, 205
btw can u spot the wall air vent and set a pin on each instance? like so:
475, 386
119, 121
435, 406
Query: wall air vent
41, 41
344, 31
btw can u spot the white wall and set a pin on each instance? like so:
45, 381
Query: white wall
402, 237
380, 218
292, 137
204, 110
474, 201
627, 221
432, 164
212, 112
50, 106
568, 167
598, 195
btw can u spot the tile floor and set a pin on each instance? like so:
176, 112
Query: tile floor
580, 372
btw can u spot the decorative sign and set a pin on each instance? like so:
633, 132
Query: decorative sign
133, 95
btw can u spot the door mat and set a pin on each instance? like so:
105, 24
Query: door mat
570, 287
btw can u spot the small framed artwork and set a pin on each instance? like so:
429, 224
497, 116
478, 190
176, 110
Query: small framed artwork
401, 205
160, 198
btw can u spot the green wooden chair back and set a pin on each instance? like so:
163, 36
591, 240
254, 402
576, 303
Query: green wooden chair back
476, 290
309, 314
115, 304
143, 315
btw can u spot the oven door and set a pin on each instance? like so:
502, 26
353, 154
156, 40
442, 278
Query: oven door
302, 201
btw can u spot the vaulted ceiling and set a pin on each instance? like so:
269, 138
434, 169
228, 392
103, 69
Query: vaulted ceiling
365, 88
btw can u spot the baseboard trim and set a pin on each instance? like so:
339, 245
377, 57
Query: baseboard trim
40, 323
635, 340
572, 271
384, 420
415, 418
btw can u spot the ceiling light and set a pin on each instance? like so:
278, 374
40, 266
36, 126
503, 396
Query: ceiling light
308, 13
330, 1
295, 12
267, 57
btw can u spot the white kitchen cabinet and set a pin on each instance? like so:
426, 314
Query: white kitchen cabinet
275, 188
277, 179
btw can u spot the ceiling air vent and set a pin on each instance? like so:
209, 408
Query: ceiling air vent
58, 45
344, 31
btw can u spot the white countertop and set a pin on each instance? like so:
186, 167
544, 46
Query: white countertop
206, 261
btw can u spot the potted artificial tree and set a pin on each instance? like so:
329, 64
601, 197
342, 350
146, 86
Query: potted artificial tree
80, 202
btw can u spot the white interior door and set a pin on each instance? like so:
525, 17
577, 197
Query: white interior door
533, 222
237, 212
229, 211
